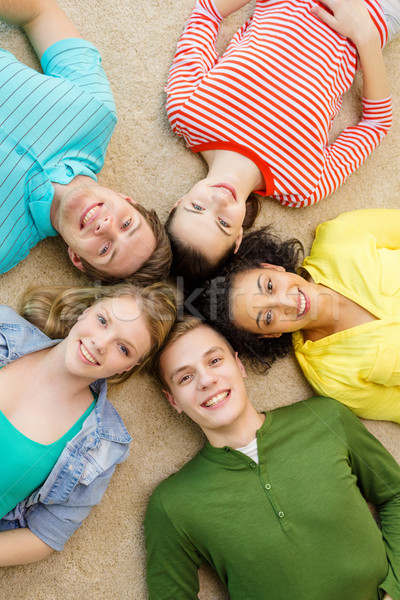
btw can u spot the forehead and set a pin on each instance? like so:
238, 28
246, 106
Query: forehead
125, 309
190, 348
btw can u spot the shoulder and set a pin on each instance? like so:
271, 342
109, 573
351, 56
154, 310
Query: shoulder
316, 410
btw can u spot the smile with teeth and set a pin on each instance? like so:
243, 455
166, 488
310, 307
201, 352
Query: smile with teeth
302, 303
216, 399
87, 355
90, 213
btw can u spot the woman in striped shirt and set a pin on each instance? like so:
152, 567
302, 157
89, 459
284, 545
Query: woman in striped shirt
261, 113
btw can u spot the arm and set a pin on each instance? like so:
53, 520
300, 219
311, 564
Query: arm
378, 477
44, 21
172, 561
227, 7
351, 19
355, 144
195, 56
21, 546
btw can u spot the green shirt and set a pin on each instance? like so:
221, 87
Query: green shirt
296, 526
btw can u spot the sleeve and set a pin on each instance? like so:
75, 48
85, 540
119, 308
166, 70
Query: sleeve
172, 561
348, 152
55, 523
378, 477
194, 58
382, 224
79, 62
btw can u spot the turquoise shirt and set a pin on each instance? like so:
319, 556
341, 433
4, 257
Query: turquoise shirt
53, 127
26, 464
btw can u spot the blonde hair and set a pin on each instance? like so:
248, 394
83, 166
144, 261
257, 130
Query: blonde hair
55, 310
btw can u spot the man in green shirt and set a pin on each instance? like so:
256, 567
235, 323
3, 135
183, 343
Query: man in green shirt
275, 502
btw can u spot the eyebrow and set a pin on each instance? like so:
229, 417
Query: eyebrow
130, 234
126, 343
200, 212
205, 355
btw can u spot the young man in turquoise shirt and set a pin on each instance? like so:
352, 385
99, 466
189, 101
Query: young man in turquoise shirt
274, 502
54, 132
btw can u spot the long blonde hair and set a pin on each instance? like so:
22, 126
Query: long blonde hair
55, 310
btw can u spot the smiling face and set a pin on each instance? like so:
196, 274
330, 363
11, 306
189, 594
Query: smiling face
104, 228
210, 219
205, 380
269, 301
110, 337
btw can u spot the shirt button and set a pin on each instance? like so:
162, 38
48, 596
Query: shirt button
90, 439
69, 171
252, 465
20, 150
281, 514
226, 448
267, 486
70, 467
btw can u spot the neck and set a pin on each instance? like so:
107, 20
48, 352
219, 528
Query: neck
63, 383
326, 314
236, 169
60, 191
238, 433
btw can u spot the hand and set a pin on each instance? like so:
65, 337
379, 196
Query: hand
349, 18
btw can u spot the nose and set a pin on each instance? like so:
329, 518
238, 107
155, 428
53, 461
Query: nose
99, 345
288, 303
104, 224
206, 378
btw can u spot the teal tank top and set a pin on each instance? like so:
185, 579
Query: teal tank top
26, 464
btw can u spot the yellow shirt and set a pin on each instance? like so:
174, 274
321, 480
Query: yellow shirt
358, 255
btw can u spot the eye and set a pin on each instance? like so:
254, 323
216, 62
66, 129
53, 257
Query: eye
215, 361
197, 207
269, 286
223, 223
102, 320
184, 379
124, 349
126, 224
268, 317
104, 249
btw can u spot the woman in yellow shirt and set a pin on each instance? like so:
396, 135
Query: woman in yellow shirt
343, 314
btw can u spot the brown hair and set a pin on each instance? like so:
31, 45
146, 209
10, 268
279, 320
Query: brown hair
155, 268
180, 328
190, 263
55, 310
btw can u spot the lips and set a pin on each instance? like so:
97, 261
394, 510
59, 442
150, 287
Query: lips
89, 358
303, 304
216, 399
228, 188
89, 214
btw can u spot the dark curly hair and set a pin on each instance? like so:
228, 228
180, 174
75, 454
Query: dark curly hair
214, 302
190, 263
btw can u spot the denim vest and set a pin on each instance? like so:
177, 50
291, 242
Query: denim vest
81, 475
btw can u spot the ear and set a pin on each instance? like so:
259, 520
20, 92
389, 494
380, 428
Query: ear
240, 365
76, 261
270, 335
238, 240
273, 267
127, 198
176, 204
83, 315
172, 402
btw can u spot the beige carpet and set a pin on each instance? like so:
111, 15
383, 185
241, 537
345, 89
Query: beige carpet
105, 558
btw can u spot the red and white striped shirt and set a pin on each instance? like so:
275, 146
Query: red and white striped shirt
272, 96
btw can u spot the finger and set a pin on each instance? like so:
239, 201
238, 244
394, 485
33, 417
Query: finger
324, 15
